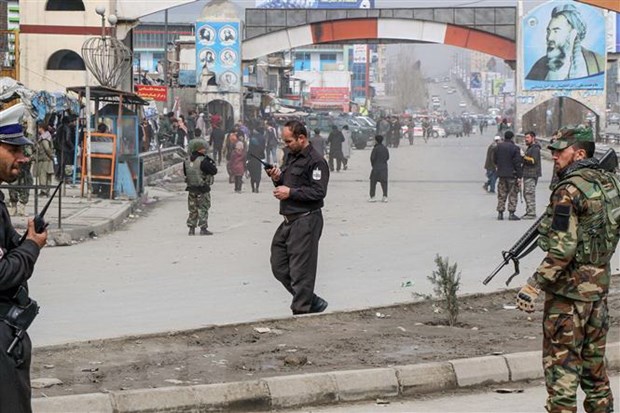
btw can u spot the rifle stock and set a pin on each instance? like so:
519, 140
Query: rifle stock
526, 244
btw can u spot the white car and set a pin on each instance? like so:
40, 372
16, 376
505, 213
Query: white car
462, 104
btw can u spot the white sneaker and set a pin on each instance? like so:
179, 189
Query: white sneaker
384, 199
372, 199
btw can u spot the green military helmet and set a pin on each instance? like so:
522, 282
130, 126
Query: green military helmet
570, 136
197, 144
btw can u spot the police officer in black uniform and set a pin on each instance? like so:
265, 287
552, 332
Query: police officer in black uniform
301, 185
16, 266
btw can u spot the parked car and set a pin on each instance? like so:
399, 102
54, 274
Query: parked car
324, 122
453, 127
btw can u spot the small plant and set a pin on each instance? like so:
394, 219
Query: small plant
446, 283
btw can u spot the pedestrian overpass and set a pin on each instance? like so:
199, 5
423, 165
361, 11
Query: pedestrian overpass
490, 30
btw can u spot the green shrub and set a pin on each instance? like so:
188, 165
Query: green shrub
446, 283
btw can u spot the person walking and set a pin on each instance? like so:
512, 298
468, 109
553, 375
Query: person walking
346, 147
256, 149
272, 142
335, 140
18, 261
508, 162
217, 141
579, 233
379, 173
318, 142
489, 166
531, 172
237, 165
44, 159
201, 124
301, 187
199, 171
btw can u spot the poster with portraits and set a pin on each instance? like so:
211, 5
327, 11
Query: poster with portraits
564, 47
218, 53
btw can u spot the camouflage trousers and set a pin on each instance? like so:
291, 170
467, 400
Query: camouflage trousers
529, 195
575, 334
198, 205
507, 189
21, 195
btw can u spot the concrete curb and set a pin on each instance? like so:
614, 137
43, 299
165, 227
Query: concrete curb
314, 389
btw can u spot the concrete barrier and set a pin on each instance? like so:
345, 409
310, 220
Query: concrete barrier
524, 366
425, 378
470, 372
95, 402
366, 384
289, 391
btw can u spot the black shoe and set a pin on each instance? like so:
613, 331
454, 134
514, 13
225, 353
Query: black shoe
318, 305
192, 231
205, 231
513, 217
500, 216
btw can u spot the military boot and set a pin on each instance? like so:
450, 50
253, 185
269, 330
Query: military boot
192, 231
500, 216
21, 209
13, 209
513, 217
205, 231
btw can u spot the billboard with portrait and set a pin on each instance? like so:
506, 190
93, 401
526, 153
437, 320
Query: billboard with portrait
564, 47
315, 4
218, 52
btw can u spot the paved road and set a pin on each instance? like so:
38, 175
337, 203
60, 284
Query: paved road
531, 400
152, 277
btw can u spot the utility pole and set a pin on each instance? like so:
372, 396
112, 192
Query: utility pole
165, 65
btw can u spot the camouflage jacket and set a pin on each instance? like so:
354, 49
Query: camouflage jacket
578, 234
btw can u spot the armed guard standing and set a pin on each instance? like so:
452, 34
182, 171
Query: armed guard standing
301, 186
579, 232
507, 159
531, 172
199, 170
17, 261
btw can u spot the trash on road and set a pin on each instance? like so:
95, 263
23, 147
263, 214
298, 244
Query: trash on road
262, 330
406, 284
508, 390
509, 307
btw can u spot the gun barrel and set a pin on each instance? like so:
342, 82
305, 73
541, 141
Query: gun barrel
494, 273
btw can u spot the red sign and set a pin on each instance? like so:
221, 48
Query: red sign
330, 94
158, 93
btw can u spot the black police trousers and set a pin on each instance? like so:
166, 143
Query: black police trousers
15, 390
294, 256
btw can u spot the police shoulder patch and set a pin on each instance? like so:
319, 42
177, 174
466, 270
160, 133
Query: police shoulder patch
316, 174
561, 217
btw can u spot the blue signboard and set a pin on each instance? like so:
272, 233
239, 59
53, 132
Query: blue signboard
617, 48
564, 47
218, 52
315, 4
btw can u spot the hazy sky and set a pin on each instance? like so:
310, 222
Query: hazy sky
189, 12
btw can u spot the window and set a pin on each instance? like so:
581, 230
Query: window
64, 5
302, 61
65, 60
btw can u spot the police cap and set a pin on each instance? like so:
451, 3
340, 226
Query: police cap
11, 131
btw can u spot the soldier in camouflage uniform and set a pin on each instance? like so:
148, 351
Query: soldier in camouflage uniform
579, 234
531, 172
509, 165
199, 170
19, 197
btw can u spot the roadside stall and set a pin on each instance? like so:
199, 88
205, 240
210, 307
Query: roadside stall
116, 169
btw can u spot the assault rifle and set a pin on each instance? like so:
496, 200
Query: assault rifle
527, 243
39, 222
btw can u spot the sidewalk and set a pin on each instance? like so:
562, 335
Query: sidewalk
316, 389
79, 217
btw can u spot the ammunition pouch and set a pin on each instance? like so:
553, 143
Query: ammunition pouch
21, 313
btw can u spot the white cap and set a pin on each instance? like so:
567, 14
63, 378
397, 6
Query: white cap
497, 138
11, 131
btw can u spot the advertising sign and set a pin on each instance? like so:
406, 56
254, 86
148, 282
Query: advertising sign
359, 53
158, 93
315, 4
572, 55
330, 94
476, 81
218, 52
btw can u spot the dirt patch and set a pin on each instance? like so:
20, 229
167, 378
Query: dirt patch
397, 335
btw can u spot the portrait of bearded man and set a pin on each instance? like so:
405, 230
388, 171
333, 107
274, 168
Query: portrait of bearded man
566, 58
